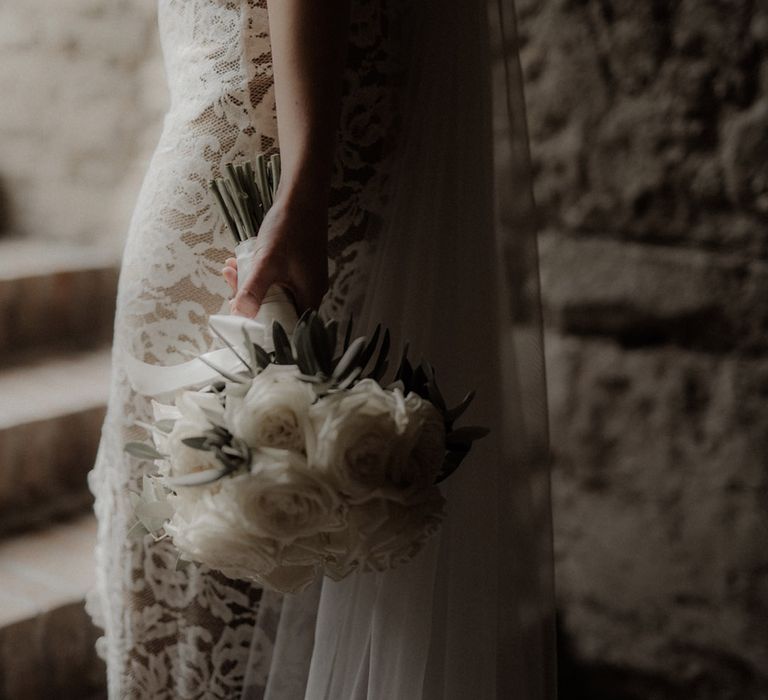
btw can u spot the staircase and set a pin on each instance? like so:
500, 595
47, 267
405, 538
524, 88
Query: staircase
56, 310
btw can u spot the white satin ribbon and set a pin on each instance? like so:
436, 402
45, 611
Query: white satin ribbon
154, 380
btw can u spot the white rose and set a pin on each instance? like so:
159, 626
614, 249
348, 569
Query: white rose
193, 413
383, 533
203, 532
183, 459
305, 551
373, 441
217, 530
281, 499
274, 411
289, 579
200, 407
426, 439
358, 437
397, 538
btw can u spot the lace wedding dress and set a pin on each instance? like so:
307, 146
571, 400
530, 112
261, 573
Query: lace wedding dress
431, 232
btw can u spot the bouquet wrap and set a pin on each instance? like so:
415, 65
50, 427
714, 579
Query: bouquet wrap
277, 305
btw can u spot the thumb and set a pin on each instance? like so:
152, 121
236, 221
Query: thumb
248, 299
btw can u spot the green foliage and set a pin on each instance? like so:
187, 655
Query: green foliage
150, 507
245, 192
142, 450
312, 347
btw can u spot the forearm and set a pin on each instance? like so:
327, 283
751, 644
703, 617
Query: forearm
309, 39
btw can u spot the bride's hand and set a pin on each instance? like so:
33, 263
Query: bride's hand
292, 253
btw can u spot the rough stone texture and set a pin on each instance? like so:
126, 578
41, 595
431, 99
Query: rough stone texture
82, 96
661, 508
648, 118
649, 125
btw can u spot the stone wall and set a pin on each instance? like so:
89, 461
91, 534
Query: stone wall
82, 95
649, 126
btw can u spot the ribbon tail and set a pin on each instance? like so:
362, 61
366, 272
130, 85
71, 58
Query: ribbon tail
155, 380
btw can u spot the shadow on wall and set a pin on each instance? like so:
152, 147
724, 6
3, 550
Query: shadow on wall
649, 137
726, 678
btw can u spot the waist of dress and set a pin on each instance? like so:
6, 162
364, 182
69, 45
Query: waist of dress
232, 104
189, 123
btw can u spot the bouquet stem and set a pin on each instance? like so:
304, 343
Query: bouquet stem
244, 194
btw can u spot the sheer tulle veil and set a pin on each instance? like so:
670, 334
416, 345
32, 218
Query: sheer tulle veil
455, 273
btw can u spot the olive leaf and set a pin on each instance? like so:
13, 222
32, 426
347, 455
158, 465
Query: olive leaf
224, 373
142, 451
382, 361
380, 370
262, 358
347, 381
331, 331
348, 334
322, 343
451, 464
206, 476
283, 348
305, 356
198, 443
232, 349
367, 353
163, 426
404, 371
457, 411
348, 358
465, 436
433, 391
419, 382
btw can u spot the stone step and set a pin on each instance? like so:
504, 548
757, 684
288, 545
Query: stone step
46, 637
51, 412
55, 296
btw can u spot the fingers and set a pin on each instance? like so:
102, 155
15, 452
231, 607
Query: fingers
248, 300
306, 287
229, 271
230, 275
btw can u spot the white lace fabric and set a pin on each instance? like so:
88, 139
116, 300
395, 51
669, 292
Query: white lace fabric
432, 233
175, 631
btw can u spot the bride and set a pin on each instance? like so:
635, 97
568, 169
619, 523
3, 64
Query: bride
405, 197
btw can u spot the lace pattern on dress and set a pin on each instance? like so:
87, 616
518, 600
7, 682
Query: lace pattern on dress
182, 631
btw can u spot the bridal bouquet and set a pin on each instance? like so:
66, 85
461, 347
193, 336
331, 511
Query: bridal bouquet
299, 457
